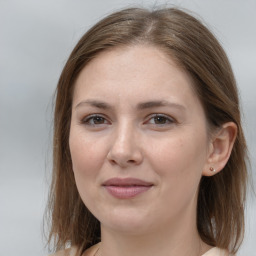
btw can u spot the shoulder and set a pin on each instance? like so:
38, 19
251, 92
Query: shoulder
92, 250
217, 252
67, 252
73, 251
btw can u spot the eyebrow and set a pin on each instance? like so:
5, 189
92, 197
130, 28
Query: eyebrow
94, 103
159, 103
140, 106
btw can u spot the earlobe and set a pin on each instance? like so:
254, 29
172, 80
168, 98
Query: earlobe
220, 149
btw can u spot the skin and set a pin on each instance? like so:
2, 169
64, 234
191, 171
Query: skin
172, 151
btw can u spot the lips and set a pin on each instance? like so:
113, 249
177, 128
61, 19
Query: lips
126, 188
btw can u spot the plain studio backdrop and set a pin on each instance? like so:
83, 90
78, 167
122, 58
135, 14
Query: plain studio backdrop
35, 41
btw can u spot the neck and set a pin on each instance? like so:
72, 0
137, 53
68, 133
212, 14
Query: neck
182, 239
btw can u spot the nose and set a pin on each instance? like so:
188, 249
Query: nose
125, 149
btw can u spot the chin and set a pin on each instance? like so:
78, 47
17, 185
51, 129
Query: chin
128, 222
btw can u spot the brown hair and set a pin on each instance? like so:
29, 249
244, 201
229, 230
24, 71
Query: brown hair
220, 211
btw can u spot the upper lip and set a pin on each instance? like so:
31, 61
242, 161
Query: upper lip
126, 182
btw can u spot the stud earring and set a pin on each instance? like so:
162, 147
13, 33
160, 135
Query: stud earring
212, 169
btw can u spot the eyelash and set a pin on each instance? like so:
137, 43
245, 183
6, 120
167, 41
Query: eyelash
89, 118
168, 120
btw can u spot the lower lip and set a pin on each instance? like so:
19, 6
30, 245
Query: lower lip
126, 192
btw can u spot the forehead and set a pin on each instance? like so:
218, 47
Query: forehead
141, 70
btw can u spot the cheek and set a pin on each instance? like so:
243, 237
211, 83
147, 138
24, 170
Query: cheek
180, 160
178, 165
87, 159
86, 154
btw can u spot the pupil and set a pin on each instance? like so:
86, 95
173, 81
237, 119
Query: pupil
98, 120
159, 120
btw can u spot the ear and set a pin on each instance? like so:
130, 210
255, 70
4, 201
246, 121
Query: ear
220, 148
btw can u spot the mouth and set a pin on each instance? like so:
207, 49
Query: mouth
126, 188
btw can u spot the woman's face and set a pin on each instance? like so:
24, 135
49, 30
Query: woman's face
138, 140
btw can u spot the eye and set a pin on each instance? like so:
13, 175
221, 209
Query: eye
95, 120
160, 119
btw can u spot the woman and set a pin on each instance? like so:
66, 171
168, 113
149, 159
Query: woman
149, 152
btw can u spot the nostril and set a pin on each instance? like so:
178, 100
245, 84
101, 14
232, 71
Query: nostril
112, 161
124, 158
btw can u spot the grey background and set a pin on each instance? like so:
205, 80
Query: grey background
36, 38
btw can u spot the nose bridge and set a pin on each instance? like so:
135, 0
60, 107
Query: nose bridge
124, 149
124, 137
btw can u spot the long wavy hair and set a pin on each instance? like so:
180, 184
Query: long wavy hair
221, 198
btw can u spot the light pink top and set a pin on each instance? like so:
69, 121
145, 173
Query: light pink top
216, 252
91, 252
